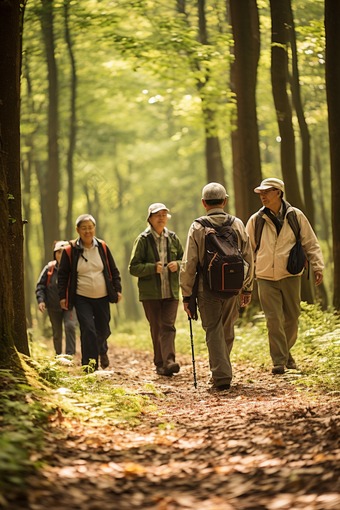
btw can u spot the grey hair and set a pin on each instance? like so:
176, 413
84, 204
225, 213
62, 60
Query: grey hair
85, 217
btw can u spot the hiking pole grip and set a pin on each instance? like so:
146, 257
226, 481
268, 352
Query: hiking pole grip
193, 353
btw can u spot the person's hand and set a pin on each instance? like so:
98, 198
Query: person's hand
186, 309
42, 307
119, 297
63, 304
159, 267
173, 266
245, 299
318, 278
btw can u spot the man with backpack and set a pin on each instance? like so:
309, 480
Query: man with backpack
218, 256
282, 240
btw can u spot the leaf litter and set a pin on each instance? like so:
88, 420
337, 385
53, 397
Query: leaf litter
263, 445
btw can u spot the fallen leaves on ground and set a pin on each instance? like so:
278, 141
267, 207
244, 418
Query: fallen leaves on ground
263, 445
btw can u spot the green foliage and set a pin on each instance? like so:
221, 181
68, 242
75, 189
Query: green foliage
23, 418
317, 350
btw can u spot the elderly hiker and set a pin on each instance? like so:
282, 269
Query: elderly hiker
89, 280
47, 296
155, 260
282, 239
224, 270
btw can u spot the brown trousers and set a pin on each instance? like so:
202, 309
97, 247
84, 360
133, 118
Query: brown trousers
161, 314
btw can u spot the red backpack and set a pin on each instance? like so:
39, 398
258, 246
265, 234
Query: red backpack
51, 266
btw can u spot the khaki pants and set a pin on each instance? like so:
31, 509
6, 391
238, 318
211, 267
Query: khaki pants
218, 318
280, 302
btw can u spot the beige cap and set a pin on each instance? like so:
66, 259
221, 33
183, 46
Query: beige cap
214, 191
272, 182
154, 208
60, 245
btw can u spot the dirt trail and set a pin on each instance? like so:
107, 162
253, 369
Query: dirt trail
262, 446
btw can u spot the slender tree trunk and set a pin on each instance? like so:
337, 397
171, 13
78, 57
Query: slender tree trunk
245, 140
12, 304
44, 208
72, 136
305, 136
332, 16
279, 74
214, 163
26, 173
52, 181
324, 234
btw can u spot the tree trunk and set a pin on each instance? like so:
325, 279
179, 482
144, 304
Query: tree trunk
332, 16
52, 231
72, 136
12, 304
26, 172
279, 74
214, 163
215, 169
246, 153
305, 136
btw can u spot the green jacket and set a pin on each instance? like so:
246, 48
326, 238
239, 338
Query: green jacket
143, 265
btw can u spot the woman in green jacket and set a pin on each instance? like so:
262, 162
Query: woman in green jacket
155, 260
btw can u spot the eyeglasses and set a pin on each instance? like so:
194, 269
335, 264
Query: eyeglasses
265, 192
86, 229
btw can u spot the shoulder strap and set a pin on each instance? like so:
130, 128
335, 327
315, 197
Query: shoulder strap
204, 222
68, 252
51, 266
294, 223
105, 251
259, 224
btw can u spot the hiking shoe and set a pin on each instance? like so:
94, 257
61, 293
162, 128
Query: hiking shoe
291, 363
172, 367
223, 387
278, 369
104, 360
163, 371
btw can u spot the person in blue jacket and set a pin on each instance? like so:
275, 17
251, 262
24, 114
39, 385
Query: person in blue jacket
48, 297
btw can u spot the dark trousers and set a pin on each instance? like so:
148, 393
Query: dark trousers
161, 314
57, 318
94, 321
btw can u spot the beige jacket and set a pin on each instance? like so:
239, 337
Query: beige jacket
272, 257
195, 248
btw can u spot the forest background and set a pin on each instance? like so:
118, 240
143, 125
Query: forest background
132, 102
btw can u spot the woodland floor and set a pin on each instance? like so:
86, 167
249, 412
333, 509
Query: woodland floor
262, 445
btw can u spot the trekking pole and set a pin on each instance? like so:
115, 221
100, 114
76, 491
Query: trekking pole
193, 354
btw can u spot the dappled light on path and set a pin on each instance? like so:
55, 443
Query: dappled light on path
262, 445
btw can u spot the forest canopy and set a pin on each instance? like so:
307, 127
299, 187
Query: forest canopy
123, 102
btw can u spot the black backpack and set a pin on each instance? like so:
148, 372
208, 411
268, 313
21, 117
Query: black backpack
223, 269
297, 259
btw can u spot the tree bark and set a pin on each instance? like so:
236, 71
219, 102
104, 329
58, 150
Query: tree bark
72, 135
12, 303
214, 162
305, 136
279, 75
245, 139
332, 16
52, 180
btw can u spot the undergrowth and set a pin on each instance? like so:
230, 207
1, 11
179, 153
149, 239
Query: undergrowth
23, 421
317, 350
68, 394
